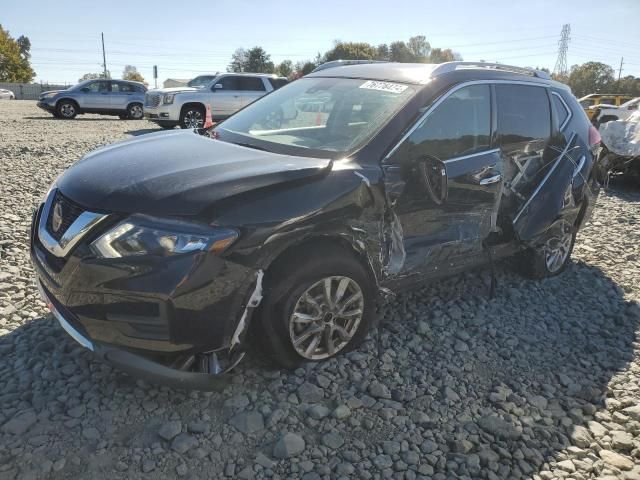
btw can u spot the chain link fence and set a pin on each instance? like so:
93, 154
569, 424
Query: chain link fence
30, 91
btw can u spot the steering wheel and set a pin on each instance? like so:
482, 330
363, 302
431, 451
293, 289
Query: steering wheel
433, 175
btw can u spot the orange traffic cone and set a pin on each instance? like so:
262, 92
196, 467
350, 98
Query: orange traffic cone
208, 121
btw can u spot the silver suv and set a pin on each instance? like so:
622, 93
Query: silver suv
226, 94
107, 97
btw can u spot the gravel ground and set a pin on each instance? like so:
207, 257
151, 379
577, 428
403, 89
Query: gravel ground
540, 382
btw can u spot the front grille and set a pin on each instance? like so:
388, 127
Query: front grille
68, 212
151, 100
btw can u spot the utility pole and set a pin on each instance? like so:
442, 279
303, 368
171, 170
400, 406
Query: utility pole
620, 69
561, 68
104, 57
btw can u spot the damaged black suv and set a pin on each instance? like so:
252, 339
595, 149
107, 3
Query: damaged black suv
167, 254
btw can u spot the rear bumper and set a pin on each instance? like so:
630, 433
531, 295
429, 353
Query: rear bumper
137, 365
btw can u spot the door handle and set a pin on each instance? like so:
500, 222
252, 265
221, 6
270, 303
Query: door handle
490, 180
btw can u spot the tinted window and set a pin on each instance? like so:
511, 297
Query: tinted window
276, 83
523, 113
251, 84
561, 111
122, 87
228, 83
460, 125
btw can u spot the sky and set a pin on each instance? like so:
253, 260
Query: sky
185, 39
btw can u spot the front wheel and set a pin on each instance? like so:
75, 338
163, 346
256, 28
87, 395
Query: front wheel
316, 307
67, 109
135, 112
192, 117
551, 257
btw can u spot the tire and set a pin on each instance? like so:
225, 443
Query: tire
135, 111
67, 109
303, 274
166, 126
539, 262
192, 116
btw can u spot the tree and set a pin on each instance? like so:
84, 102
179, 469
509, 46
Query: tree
131, 73
254, 60
14, 59
591, 77
350, 51
24, 44
419, 48
285, 69
93, 76
628, 85
399, 52
382, 52
303, 68
438, 55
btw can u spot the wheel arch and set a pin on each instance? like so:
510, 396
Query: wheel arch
192, 104
70, 99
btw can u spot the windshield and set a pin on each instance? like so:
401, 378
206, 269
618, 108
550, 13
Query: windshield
319, 114
201, 81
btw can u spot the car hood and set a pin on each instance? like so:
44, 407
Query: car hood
174, 90
177, 173
52, 91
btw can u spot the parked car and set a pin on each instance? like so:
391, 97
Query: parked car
621, 146
595, 99
226, 94
107, 97
173, 254
6, 94
604, 113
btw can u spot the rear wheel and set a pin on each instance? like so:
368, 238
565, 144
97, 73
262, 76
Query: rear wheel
67, 109
192, 117
135, 112
316, 307
550, 258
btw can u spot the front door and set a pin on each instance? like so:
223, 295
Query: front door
96, 96
443, 185
227, 99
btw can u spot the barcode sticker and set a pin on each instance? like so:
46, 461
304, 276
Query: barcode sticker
384, 86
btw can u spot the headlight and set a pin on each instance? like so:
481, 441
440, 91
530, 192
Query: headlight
168, 98
49, 95
141, 235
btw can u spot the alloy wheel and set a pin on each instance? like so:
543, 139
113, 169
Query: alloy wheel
67, 110
326, 317
193, 119
557, 250
135, 112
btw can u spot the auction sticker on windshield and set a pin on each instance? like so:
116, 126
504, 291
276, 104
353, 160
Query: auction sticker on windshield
384, 86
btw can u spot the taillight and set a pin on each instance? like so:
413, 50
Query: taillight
594, 137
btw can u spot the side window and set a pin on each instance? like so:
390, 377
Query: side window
253, 84
125, 87
115, 87
104, 86
560, 109
94, 87
460, 125
228, 83
276, 83
524, 116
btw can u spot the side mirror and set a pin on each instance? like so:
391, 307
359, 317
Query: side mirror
217, 86
433, 174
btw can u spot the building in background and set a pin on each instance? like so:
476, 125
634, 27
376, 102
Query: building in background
175, 82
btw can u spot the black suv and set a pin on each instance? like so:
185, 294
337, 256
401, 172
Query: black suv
168, 255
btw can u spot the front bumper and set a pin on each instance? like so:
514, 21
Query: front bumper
163, 113
138, 365
46, 106
142, 314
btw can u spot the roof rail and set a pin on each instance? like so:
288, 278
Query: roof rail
452, 66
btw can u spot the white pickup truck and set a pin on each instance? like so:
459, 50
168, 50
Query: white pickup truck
226, 94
